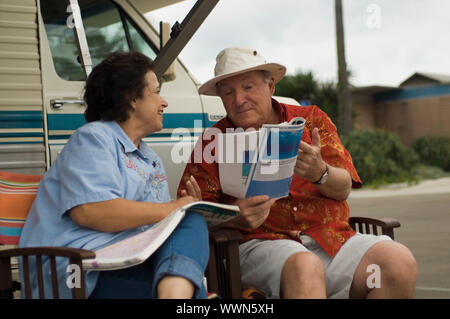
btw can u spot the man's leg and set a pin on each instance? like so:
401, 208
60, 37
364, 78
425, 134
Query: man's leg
398, 272
281, 268
303, 276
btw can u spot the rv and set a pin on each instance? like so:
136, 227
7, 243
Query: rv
48, 47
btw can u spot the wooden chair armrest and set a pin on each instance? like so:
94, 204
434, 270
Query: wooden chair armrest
387, 225
223, 235
390, 222
384, 222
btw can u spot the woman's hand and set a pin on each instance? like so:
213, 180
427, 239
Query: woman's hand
192, 189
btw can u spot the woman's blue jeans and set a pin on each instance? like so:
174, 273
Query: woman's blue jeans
185, 253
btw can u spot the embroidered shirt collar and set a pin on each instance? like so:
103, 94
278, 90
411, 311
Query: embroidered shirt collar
280, 109
125, 141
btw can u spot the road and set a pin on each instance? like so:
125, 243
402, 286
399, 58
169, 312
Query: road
425, 230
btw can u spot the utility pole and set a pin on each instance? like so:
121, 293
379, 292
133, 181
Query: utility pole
345, 110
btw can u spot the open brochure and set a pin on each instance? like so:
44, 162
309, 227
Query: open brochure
136, 249
259, 162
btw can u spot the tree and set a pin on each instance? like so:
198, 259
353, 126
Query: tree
300, 86
343, 89
304, 86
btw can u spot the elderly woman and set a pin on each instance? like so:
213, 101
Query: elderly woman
108, 185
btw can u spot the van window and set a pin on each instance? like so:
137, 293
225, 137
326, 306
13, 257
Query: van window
107, 29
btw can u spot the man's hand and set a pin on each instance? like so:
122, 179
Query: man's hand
254, 211
309, 164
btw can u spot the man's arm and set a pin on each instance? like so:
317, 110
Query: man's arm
311, 166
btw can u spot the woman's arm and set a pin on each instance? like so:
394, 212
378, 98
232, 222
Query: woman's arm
120, 214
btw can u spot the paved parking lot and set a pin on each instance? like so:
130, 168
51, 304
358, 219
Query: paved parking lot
424, 213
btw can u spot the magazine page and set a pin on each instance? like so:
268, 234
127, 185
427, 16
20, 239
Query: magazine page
237, 153
136, 249
272, 174
214, 213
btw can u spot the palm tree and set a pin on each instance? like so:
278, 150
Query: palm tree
343, 88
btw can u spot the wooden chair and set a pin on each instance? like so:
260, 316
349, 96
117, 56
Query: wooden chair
223, 272
375, 226
17, 193
8, 285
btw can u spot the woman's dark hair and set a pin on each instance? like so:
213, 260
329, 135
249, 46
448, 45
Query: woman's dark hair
113, 84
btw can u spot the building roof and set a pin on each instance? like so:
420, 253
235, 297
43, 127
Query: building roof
372, 89
425, 78
418, 85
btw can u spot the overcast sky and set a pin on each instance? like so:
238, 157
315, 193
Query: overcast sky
386, 41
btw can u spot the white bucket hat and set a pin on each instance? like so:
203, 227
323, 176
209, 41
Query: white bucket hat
234, 61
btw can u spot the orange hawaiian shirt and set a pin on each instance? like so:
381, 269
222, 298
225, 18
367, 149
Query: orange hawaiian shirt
304, 210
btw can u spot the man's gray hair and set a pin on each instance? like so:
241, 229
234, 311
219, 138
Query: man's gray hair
267, 76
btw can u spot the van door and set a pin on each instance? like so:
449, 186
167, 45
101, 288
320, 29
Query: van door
108, 26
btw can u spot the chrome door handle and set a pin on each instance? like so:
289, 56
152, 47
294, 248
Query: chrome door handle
57, 104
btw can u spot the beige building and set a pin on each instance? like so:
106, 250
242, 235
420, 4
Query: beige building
419, 106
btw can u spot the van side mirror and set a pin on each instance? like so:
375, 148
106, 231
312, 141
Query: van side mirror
164, 36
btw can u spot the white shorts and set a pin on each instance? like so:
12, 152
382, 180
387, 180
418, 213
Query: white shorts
263, 260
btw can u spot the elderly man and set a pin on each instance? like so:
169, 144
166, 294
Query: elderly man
300, 246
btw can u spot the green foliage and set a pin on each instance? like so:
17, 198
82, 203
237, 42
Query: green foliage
434, 150
422, 171
327, 99
300, 86
380, 157
304, 86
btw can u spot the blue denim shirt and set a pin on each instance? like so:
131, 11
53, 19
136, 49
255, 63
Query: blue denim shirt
98, 163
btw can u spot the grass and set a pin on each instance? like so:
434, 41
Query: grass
418, 173
429, 172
